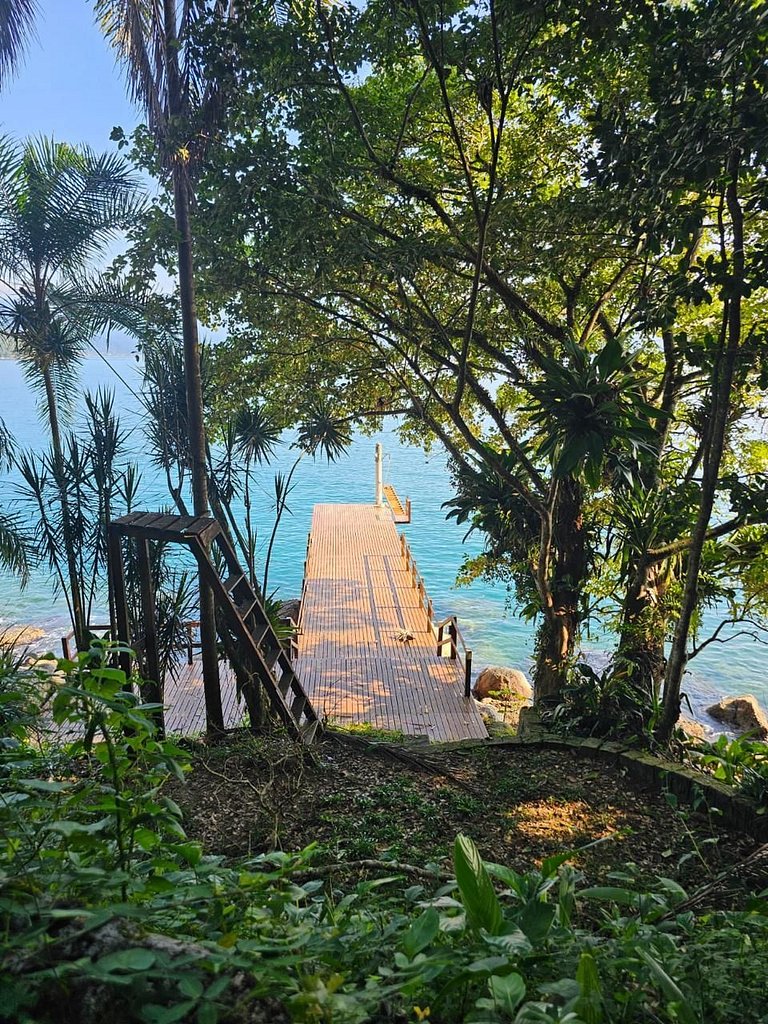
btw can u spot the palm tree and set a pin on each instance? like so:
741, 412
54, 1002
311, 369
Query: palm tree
17, 18
181, 101
60, 207
13, 548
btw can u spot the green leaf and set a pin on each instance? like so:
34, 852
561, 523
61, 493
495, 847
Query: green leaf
669, 987
624, 897
508, 991
155, 1014
589, 1003
610, 358
146, 838
71, 828
207, 1013
44, 786
536, 920
477, 893
190, 987
550, 865
488, 964
127, 960
422, 932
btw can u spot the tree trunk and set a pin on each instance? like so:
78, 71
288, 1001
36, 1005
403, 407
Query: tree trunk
197, 445
722, 381
643, 629
559, 631
79, 623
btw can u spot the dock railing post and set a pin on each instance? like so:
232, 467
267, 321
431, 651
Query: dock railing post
453, 632
468, 674
379, 458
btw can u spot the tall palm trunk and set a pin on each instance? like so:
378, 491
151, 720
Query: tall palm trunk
79, 620
197, 445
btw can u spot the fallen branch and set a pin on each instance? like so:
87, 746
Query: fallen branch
706, 890
408, 757
387, 866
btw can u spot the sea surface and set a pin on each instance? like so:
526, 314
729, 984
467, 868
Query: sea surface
486, 612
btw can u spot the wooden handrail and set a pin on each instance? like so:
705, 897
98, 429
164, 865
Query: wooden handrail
188, 626
453, 636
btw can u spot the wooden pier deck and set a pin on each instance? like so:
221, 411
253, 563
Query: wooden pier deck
367, 649
185, 702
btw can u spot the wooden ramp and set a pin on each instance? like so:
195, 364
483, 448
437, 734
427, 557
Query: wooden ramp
367, 650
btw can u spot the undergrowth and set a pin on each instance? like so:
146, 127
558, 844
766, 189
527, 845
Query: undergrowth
108, 911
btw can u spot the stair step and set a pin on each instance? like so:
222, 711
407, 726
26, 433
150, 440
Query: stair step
285, 681
232, 581
298, 704
272, 657
260, 632
246, 607
309, 731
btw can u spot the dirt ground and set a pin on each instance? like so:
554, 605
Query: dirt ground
360, 801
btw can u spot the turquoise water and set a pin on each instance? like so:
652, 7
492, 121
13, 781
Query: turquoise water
495, 633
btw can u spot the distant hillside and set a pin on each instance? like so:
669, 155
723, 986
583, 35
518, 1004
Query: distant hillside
119, 346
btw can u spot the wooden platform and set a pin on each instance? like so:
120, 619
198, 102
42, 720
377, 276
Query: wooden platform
367, 651
185, 703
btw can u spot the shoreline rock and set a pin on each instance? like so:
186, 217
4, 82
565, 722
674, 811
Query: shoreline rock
19, 635
743, 714
498, 681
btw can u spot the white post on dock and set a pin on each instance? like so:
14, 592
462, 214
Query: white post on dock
379, 476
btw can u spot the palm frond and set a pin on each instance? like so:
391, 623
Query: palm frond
78, 201
95, 304
17, 28
13, 548
134, 28
322, 432
257, 435
7, 447
155, 43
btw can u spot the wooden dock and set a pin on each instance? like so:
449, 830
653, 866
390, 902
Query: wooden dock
368, 651
185, 703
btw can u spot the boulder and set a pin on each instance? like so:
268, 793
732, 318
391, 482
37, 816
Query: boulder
742, 714
496, 681
20, 636
696, 730
290, 609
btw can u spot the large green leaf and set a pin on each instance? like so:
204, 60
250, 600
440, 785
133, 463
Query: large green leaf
422, 932
475, 887
508, 991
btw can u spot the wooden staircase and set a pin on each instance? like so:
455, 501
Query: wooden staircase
256, 646
401, 513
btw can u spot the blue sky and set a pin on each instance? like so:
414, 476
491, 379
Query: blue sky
69, 85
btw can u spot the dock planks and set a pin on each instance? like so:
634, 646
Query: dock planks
185, 702
357, 604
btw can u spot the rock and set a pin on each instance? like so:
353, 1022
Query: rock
496, 681
489, 712
20, 636
743, 714
696, 730
290, 609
